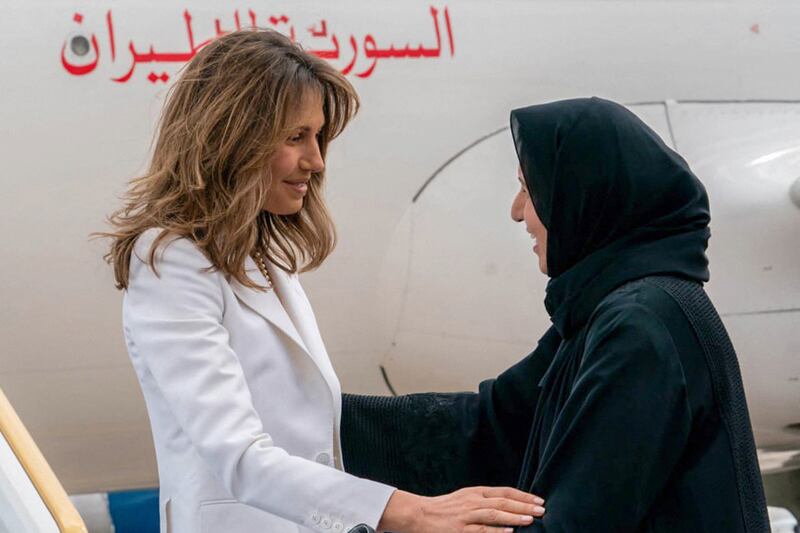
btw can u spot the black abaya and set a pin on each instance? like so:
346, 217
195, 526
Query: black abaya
630, 414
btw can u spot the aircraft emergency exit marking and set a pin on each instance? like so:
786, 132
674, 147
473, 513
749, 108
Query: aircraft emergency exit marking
368, 46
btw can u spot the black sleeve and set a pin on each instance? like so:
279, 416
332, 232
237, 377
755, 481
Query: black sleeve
434, 443
621, 431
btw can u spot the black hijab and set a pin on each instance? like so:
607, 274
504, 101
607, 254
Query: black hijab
618, 204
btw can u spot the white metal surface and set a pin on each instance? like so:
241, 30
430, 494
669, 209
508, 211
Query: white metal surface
69, 144
21, 508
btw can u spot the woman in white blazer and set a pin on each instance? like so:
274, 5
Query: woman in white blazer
243, 401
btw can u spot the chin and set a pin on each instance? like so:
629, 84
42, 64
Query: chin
285, 209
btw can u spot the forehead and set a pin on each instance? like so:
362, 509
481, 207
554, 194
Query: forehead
521, 177
307, 112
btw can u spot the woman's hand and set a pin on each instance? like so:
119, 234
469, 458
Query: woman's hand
470, 510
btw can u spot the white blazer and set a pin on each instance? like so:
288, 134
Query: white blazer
243, 401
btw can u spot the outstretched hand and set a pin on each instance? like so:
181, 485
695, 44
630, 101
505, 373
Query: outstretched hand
470, 510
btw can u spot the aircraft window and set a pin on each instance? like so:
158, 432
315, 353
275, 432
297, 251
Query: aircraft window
79, 45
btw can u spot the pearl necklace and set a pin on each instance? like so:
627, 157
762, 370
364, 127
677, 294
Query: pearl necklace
262, 266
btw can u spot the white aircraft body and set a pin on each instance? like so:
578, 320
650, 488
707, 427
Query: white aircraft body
432, 287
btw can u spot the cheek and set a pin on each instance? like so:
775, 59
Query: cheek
283, 163
531, 220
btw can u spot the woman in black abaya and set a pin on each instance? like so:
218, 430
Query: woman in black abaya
630, 414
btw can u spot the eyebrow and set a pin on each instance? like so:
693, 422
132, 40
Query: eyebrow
308, 128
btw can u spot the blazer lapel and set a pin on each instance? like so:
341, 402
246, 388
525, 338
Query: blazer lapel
298, 309
301, 327
266, 304
296, 305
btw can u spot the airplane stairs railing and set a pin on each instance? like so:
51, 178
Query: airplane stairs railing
31, 498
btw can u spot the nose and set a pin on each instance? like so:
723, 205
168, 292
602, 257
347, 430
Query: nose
518, 207
312, 160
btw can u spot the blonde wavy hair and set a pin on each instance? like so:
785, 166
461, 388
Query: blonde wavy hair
209, 175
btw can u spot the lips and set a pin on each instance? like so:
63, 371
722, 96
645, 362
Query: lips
298, 186
535, 243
